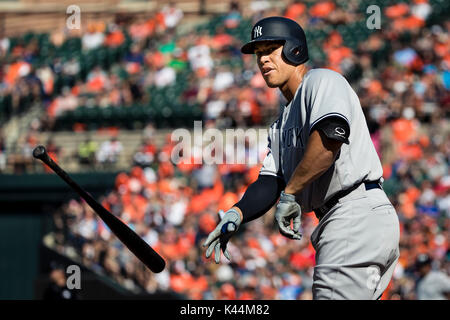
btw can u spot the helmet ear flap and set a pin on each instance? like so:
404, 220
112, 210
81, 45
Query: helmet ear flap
294, 52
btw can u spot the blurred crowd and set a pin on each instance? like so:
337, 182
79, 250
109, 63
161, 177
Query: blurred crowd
174, 207
400, 70
400, 73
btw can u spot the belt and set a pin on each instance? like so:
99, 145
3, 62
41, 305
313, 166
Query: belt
323, 210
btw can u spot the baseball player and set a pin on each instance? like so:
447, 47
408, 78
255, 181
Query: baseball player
320, 159
432, 284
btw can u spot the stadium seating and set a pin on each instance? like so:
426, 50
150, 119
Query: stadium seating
406, 164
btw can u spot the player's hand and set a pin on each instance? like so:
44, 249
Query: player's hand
219, 237
288, 209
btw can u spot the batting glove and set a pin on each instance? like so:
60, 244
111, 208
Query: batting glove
219, 237
288, 209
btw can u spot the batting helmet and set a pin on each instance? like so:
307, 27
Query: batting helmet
282, 29
423, 260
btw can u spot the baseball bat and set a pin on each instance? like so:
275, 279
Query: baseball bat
129, 238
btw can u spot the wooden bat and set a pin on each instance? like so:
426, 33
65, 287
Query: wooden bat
129, 238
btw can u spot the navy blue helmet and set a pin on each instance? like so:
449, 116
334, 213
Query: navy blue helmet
281, 29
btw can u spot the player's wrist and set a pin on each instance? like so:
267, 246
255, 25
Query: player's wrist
287, 197
289, 190
239, 211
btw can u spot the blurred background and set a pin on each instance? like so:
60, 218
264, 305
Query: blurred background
105, 98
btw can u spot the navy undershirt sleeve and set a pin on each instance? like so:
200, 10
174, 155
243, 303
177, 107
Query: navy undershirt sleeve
260, 196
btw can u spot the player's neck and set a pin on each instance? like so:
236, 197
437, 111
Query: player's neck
289, 88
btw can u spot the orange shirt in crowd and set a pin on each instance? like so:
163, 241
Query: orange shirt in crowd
114, 39
160, 21
15, 70
210, 195
227, 292
166, 169
121, 179
165, 186
387, 293
407, 202
396, 11
442, 49
246, 295
227, 201
96, 84
155, 59
207, 223
197, 287
336, 55
221, 40
188, 165
387, 171
410, 151
197, 204
408, 23
52, 108
253, 173
295, 10
134, 205
404, 130
97, 26
75, 90
138, 173
181, 282
322, 9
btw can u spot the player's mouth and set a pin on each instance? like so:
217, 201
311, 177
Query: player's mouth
266, 71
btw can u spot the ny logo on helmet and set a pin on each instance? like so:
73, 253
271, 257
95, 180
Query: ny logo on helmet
257, 32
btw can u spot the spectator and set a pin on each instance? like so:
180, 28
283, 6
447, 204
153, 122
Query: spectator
92, 39
109, 152
164, 77
432, 285
5, 44
134, 60
64, 103
145, 156
172, 15
223, 79
115, 37
233, 18
97, 80
57, 289
86, 152
200, 58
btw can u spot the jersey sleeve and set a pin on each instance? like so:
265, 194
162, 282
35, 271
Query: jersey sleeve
444, 283
271, 163
327, 95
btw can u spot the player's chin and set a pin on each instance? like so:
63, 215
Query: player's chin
271, 83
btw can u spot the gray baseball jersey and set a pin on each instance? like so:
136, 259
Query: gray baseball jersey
323, 93
434, 286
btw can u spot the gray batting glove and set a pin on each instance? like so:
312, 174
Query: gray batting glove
288, 209
219, 237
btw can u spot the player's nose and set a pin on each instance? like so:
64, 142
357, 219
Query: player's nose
263, 62
262, 59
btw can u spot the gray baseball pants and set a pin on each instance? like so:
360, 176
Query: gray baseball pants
357, 247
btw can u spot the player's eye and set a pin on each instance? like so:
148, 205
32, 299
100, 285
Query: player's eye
264, 51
